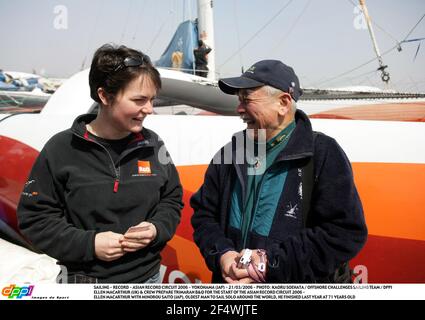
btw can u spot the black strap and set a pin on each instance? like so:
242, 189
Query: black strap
308, 184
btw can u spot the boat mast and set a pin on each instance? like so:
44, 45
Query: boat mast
206, 31
385, 76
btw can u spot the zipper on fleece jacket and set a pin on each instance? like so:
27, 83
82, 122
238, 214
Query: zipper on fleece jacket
116, 170
256, 193
117, 175
256, 203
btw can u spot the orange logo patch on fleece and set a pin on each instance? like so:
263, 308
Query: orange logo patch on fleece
144, 167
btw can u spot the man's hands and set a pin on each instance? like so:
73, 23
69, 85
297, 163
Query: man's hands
110, 246
230, 271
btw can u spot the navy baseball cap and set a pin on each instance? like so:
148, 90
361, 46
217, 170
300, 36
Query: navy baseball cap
266, 72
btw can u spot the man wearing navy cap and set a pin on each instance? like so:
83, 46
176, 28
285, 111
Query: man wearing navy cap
289, 211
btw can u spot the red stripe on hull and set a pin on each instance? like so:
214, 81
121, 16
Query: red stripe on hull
388, 260
16, 160
392, 260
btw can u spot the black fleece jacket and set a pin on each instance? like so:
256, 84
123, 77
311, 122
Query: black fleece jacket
75, 191
296, 251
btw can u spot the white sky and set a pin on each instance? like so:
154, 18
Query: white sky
320, 39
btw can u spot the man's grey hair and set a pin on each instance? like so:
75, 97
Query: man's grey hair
272, 91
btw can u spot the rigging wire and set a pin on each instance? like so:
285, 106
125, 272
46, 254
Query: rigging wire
414, 27
356, 68
235, 15
99, 13
373, 22
391, 36
139, 19
184, 10
405, 40
258, 32
156, 37
362, 75
348, 78
167, 20
286, 35
126, 21
375, 58
189, 10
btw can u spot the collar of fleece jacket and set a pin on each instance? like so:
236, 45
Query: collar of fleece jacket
300, 143
79, 127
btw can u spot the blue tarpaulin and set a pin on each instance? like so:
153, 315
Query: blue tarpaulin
179, 53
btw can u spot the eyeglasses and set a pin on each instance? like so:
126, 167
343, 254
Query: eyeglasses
133, 62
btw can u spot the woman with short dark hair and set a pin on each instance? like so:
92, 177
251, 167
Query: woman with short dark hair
98, 198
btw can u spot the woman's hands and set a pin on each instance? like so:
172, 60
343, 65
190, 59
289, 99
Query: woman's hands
107, 246
138, 237
110, 246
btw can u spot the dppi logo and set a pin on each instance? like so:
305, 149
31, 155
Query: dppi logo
13, 291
